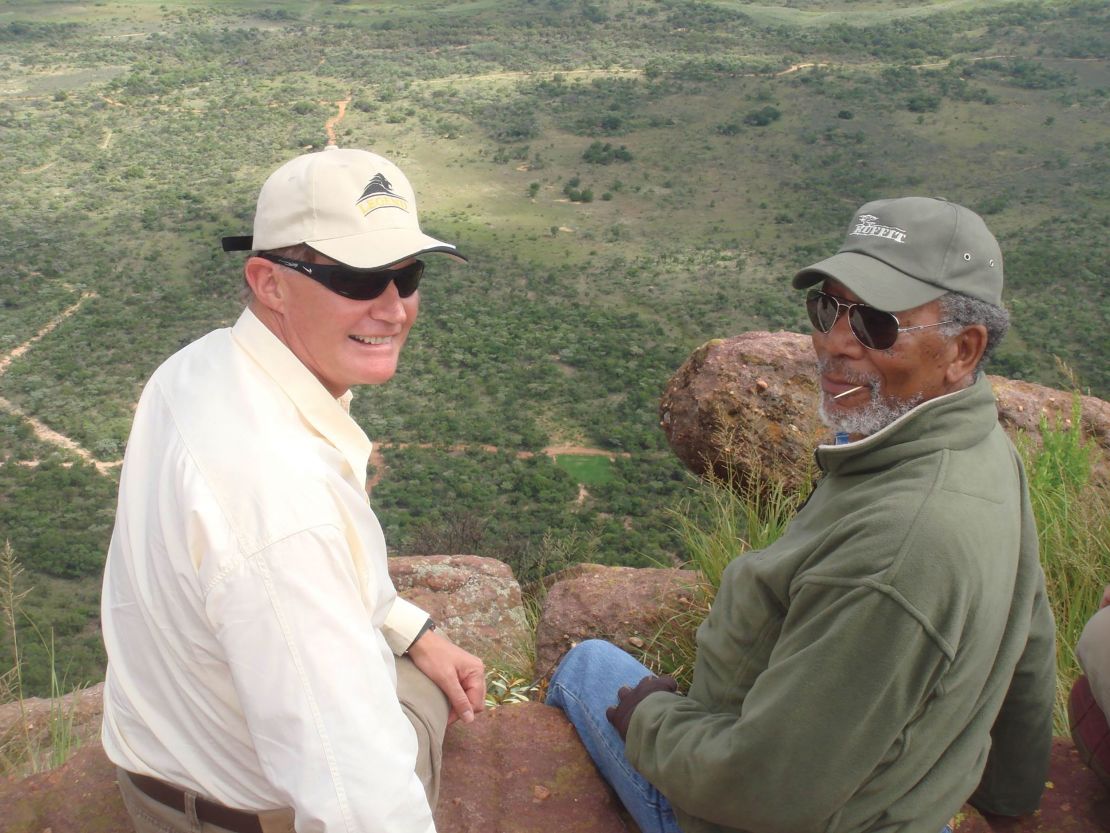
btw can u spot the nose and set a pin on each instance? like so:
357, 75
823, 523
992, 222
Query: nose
388, 306
839, 341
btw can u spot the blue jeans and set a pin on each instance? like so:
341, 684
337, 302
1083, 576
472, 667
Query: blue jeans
584, 686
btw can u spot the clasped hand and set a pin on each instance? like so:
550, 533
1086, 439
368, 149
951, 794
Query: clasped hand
628, 699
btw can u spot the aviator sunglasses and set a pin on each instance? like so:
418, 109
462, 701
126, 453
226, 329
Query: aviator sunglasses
357, 284
874, 328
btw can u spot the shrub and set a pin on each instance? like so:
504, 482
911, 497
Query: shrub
763, 116
599, 153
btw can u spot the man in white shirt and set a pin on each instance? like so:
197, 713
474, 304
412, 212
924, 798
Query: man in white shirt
263, 674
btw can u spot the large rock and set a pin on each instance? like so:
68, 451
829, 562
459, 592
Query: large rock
521, 769
747, 406
516, 769
624, 605
475, 601
79, 797
744, 407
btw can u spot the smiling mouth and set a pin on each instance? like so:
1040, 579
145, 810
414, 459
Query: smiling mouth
371, 339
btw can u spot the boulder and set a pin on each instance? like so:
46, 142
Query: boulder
624, 605
745, 408
475, 601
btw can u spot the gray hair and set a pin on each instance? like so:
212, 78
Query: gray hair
963, 311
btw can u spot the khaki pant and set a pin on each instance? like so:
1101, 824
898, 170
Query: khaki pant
423, 704
1093, 651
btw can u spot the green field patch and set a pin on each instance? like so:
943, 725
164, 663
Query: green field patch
587, 469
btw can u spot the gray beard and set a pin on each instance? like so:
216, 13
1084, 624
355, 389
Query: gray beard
867, 419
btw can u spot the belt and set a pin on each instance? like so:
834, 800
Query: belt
239, 821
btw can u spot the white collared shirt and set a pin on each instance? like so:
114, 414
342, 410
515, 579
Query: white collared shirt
248, 613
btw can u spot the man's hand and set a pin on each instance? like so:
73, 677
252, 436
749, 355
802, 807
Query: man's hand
628, 699
460, 675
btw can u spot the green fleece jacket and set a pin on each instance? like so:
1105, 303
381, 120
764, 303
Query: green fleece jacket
889, 656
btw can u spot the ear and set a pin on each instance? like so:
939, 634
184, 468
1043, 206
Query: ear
265, 282
967, 349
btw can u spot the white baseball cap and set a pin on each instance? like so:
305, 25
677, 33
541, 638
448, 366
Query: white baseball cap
351, 205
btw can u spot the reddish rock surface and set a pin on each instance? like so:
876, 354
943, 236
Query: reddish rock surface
521, 769
741, 402
624, 605
1075, 801
515, 769
81, 709
751, 400
79, 797
475, 601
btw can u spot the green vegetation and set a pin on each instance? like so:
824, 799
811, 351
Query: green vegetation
718, 523
24, 747
515, 508
589, 470
1073, 528
503, 689
714, 147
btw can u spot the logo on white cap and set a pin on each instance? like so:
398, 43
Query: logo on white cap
379, 193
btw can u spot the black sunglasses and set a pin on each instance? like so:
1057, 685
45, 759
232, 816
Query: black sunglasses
357, 284
875, 329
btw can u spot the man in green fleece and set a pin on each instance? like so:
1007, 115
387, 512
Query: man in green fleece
892, 655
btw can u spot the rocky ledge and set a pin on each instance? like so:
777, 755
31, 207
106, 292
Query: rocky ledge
518, 768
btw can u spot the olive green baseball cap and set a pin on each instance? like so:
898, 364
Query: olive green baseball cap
904, 252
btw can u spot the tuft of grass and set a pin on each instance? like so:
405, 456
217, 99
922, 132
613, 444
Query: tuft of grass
723, 519
24, 749
1073, 530
15, 744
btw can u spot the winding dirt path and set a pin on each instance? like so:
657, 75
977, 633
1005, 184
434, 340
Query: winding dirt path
42, 431
329, 126
45, 330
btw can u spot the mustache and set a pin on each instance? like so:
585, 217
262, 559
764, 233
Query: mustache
840, 369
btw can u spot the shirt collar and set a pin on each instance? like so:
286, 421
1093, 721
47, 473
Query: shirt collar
954, 420
328, 415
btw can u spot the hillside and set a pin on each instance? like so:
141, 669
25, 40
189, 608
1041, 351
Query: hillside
629, 180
